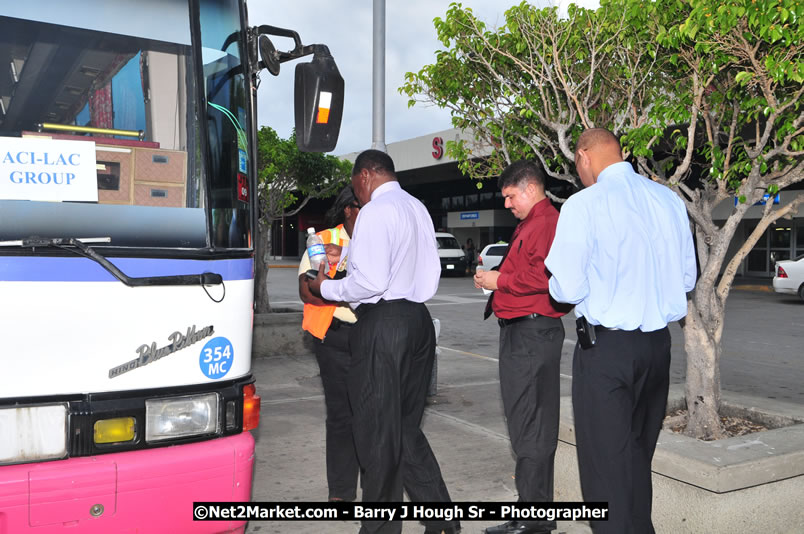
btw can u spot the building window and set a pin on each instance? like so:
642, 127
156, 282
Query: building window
780, 237
757, 260
472, 202
458, 203
487, 201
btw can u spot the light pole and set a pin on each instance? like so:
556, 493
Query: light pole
378, 78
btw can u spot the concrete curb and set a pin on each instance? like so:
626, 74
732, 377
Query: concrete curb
279, 333
753, 287
741, 484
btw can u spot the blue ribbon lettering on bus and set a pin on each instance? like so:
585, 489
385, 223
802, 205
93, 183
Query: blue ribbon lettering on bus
149, 353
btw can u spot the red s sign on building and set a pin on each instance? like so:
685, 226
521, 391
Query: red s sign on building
438, 147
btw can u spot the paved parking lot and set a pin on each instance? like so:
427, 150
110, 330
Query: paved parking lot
464, 423
763, 339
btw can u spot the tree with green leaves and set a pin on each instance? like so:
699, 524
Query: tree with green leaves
287, 179
529, 88
703, 94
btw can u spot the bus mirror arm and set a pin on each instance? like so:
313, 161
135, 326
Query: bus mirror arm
270, 57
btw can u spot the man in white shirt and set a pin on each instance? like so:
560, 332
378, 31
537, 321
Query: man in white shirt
393, 269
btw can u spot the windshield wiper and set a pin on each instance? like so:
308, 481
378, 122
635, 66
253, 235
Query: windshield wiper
78, 246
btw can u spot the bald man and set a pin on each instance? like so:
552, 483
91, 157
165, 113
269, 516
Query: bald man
623, 254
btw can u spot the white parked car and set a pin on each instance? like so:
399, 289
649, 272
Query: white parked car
790, 277
452, 256
491, 256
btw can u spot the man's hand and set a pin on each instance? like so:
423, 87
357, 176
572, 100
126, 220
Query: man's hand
486, 279
333, 253
314, 285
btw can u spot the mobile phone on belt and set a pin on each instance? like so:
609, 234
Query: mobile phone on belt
586, 333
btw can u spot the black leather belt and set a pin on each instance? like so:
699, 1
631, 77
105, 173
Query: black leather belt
506, 322
363, 309
337, 323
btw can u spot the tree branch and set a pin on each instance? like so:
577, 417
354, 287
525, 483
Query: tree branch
769, 217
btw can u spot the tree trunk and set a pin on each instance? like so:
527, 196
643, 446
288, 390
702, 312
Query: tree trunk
703, 375
261, 267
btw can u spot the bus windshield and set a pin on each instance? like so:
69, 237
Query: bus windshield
101, 130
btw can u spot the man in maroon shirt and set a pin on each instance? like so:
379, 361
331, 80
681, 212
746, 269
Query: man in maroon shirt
531, 338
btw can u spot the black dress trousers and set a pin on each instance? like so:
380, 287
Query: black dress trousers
333, 361
619, 397
393, 347
530, 354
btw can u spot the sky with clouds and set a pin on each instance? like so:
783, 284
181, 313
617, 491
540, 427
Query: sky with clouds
345, 26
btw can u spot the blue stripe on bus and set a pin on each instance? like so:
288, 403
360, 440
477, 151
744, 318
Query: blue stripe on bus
58, 269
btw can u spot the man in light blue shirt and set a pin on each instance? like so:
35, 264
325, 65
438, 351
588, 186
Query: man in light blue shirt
623, 254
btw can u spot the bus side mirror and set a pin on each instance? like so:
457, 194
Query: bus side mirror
318, 96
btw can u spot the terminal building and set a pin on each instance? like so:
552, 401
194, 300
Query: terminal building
454, 201
459, 207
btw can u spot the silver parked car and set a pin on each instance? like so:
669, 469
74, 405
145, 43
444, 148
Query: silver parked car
491, 256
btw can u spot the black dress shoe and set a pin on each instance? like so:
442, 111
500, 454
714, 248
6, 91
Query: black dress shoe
515, 527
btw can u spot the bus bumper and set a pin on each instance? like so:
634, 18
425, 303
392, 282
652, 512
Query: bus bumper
147, 491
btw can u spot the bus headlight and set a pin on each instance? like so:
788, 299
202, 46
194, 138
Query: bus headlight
33, 433
181, 417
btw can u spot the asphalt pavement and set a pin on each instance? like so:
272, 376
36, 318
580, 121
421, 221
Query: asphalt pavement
763, 336
464, 422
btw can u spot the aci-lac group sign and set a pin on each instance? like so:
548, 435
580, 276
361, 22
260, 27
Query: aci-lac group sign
47, 169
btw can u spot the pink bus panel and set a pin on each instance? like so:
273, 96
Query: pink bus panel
149, 491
